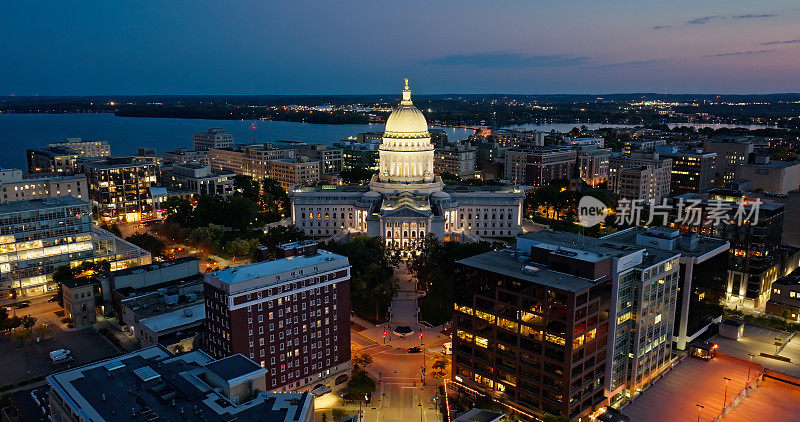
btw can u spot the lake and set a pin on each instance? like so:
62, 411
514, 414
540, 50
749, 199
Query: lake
19, 132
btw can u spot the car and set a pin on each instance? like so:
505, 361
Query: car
414, 349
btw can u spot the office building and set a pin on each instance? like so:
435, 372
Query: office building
16, 187
153, 384
539, 166
731, 156
85, 148
458, 159
780, 177
692, 172
38, 235
642, 176
197, 178
120, 187
703, 276
212, 138
292, 315
565, 323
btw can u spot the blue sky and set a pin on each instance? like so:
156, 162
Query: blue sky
360, 47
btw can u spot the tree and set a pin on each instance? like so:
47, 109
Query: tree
274, 200
62, 273
278, 235
240, 212
178, 210
147, 242
8, 323
28, 321
360, 384
371, 284
247, 187
241, 247
112, 227
361, 360
41, 331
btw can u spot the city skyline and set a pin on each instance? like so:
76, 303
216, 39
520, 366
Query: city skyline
361, 48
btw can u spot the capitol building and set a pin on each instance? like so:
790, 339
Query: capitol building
406, 201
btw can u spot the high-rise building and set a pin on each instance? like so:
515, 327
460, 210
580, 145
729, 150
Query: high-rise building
731, 155
212, 138
85, 148
565, 323
292, 315
703, 275
691, 171
16, 187
154, 384
642, 176
120, 186
458, 159
38, 235
539, 166
518, 139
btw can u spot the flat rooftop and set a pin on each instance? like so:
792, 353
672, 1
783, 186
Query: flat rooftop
154, 266
40, 204
153, 384
233, 367
504, 262
704, 244
587, 248
176, 318
261, 269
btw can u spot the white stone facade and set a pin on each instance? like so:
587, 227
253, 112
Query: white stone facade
406, 201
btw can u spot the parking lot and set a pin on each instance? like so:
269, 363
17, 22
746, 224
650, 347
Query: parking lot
758, 339
33, 360
691, 382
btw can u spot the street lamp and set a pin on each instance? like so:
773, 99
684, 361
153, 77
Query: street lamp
777, 344
750, 356
699, 408
725, 396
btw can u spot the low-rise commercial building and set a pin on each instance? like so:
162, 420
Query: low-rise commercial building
190, 387
290, 172
292, 315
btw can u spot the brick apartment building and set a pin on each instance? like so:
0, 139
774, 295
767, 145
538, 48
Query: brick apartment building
290, 315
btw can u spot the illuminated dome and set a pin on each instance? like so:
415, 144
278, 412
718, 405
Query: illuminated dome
406, 121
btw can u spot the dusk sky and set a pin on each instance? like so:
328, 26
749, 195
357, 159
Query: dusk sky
364, 47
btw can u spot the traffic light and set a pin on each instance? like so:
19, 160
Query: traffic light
420, 335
